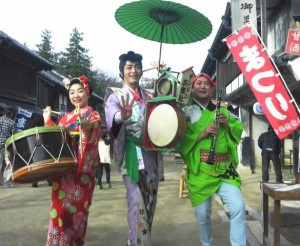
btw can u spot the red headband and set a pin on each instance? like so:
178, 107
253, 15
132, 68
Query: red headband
213, 83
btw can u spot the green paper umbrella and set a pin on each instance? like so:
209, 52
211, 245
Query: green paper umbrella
163, 21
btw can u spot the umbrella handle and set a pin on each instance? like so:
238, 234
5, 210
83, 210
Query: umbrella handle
160, 45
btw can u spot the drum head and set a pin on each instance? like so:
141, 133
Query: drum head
164, 87
163, 125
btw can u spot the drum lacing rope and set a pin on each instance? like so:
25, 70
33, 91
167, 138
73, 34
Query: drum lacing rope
16, 153
64, 138
39, 142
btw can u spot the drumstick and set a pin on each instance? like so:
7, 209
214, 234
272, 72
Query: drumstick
56, 112
80, 130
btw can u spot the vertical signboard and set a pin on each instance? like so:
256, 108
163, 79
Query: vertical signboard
293, 42
243, 12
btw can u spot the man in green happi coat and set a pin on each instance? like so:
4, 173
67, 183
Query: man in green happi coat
220, 177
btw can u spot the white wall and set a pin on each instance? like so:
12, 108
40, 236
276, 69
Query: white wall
259, 125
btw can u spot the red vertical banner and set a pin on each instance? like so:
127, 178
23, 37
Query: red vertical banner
264, 80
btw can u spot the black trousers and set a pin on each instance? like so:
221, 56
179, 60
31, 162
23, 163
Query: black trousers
99, 173
266, 158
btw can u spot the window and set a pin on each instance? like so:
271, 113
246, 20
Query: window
235, 84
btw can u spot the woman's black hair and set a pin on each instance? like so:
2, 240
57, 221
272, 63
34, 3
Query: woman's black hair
105, 136
130, 56
78, 81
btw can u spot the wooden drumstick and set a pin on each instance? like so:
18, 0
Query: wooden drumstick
55, 112
80, 129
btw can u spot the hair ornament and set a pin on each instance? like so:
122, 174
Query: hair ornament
67, 83
81, 79
84, 81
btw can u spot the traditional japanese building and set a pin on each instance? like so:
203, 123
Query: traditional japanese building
274, 19
30, 83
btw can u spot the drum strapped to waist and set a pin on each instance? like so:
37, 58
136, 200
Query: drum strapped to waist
41, 153
165, 126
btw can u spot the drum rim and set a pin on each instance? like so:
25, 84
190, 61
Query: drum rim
50, 161
66, 162
32, 131
62, 161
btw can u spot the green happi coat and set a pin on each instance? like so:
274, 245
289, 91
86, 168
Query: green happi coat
202, 179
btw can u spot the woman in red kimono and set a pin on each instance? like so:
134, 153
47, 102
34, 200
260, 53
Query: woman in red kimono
72, 193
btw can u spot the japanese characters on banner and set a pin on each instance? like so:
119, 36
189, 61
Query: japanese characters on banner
293, 42
22, 116
264, 80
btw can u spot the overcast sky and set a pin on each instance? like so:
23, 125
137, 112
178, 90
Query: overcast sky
105, 39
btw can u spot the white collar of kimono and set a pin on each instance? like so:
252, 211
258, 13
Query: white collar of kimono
192, 112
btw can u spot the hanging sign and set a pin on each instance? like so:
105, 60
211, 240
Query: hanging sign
264, 80
22, 116
257, 109
293, 42
242, 12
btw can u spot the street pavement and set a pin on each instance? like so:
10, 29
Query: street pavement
25, 213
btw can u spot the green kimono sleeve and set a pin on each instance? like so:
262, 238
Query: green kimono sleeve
236, 128
187, 148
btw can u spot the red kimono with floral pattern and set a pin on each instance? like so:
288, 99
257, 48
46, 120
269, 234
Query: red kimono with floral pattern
72, 193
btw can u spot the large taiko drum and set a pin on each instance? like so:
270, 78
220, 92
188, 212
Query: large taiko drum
166, 125
41, 153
